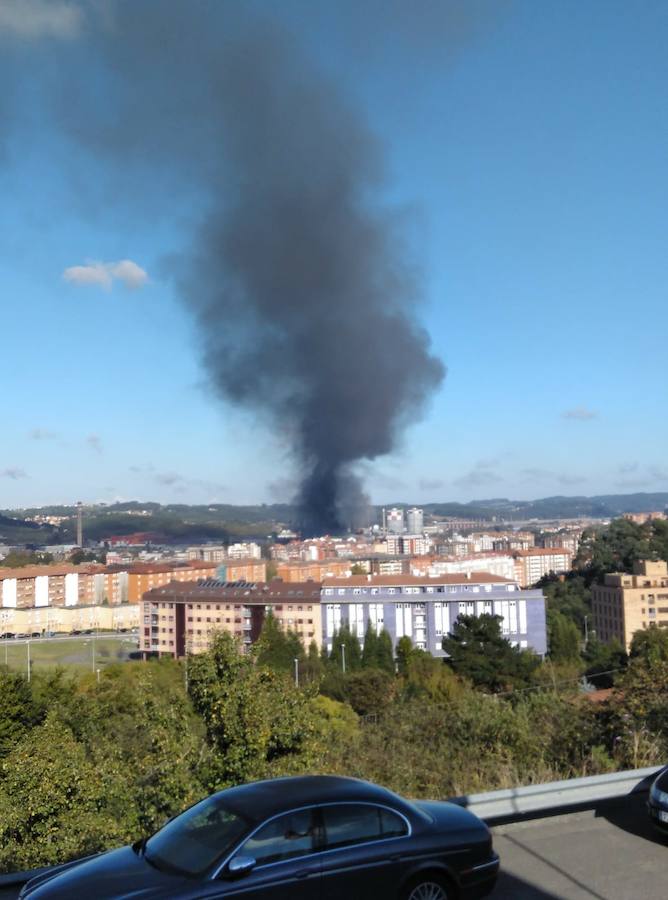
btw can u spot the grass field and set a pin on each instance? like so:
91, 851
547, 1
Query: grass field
77, 652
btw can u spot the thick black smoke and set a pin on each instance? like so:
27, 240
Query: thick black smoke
297, 274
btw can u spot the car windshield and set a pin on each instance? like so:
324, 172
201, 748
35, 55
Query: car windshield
192, 842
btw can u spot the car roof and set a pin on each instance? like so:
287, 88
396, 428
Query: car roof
262, 799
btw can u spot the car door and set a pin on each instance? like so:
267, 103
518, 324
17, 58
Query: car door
363, 845
286, 866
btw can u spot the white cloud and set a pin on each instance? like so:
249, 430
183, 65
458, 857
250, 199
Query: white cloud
103, 274
32, 19
42, 434
94, 442
13, 472
580, 414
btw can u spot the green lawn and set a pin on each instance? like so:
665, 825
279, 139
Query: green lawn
78, 652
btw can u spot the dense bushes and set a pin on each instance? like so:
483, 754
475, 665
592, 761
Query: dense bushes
89, 765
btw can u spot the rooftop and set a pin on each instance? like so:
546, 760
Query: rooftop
407, 580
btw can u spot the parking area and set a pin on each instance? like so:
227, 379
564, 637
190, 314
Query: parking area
611, 853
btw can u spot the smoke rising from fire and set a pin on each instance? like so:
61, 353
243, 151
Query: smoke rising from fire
297, 273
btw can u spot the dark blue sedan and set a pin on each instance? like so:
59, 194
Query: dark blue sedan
310, 838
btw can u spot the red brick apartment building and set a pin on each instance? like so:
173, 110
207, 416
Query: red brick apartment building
179, 618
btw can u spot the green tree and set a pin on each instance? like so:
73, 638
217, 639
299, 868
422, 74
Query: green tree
258, 723
650, 644
18, 712
478, 651
357, 569
404, 653
604, 662
56, 805
385, 652
563, 637
277, 649
369, 691
370, 651
353, 652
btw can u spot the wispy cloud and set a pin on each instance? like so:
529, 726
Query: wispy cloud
33, 19
482, 473
13, 472
658, 473
431, 484
42, 434
579, 414
535, 473
104, 274
94, 441
182, 483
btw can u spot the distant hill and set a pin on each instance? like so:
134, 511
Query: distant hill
603, 506
182, 522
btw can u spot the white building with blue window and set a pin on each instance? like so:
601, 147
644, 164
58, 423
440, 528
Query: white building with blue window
425, 609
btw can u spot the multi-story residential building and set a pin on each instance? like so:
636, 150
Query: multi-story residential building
183, 618
624, 603
67, 620
408, 544
425, 609
414, 520
532, 565
59, 585
207, 553
242, 570
312, 571
494, 563
143, 577
244, 550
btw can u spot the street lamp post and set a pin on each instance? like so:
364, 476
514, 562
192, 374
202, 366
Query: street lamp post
296, 672
29, 665
586, 632
343, 658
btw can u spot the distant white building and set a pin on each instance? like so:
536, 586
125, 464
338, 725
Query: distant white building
414, 520
394, 521
493, 564
244, 550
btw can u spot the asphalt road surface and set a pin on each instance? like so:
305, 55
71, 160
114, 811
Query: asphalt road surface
611, 853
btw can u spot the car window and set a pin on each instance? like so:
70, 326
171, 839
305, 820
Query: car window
192, 842
350, 823
284, 837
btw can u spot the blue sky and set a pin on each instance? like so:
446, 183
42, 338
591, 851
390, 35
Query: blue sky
529, 158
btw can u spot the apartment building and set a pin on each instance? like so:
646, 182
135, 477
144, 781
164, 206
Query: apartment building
624, 604
207, 553
533, 564
60, 585
252, 570
425, 609
143, 577
298, 571
88, 585
494, 563
184, 617
39, 620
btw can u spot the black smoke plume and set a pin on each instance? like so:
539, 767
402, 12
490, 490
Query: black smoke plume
298, 275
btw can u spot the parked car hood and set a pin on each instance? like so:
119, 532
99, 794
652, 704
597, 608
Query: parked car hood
117, 874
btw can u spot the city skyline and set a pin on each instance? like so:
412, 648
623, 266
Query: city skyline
525, 154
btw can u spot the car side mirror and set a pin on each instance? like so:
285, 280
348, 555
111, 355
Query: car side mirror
240, 866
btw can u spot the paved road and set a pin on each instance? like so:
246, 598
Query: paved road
608, 854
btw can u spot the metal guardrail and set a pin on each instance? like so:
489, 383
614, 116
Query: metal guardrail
514, 803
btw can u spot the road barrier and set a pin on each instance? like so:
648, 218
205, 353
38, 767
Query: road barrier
514, 803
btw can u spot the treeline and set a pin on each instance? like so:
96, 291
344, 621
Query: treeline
87, 765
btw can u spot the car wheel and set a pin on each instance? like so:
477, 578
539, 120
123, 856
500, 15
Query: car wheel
427, 888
